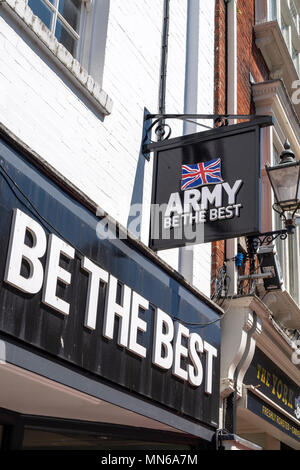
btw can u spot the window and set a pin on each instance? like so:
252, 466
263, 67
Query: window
62, 17
285, 31
295, 57
273, 9
295, 15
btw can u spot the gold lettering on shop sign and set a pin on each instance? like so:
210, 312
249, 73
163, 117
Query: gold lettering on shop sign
258, 371
296, 432
279, 388
291, 399
285, 392
275, 379
279, 392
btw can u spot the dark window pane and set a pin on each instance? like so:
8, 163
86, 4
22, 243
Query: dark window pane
42, 11
65, 37
70, 10
48, 440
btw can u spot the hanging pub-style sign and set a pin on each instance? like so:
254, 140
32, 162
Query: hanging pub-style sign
206, 186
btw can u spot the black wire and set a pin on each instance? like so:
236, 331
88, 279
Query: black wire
202, 325
34, 211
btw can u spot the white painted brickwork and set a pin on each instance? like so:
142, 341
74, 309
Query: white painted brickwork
101, 156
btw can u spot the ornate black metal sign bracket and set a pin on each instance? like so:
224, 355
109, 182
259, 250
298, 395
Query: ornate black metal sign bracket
163, 130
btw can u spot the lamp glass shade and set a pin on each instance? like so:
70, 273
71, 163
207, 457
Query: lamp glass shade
284, 179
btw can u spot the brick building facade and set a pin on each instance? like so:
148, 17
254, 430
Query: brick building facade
255, 330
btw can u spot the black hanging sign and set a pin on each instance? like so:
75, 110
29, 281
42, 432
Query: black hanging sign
206, 186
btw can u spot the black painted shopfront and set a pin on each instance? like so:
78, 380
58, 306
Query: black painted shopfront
99, 329
274, 398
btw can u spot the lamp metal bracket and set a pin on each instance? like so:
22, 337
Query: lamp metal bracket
260, 239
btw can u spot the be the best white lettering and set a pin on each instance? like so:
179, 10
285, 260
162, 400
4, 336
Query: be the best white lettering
174, 347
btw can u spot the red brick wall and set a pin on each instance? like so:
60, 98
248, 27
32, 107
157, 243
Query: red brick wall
220, 57
249, 61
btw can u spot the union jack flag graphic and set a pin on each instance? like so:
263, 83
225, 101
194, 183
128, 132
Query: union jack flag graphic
199, 174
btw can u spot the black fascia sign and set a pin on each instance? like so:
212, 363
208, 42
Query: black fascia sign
206, 186
275, 385
101, 304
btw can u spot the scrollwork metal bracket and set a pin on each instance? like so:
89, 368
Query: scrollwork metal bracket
256, 241
163, 130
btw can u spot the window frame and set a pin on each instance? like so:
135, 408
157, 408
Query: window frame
15, 424
85, 71
57, 16
287, 15
92, 32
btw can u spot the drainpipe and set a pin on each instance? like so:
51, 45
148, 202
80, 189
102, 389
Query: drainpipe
186, 254
163, 63
231, 245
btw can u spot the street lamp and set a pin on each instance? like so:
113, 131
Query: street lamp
284, 179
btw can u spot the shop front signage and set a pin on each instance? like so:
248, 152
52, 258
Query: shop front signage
207, 187
100, 304
168, 335
278, 389
273, 416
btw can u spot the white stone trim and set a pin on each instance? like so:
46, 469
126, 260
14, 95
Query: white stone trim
71, 66
271, 97
236, 351
270, 41
275, 345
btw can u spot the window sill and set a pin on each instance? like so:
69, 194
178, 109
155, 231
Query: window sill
91, 89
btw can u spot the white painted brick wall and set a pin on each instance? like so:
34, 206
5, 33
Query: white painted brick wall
101, 157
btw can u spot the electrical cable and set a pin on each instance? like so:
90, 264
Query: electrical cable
204, 325
46, 224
